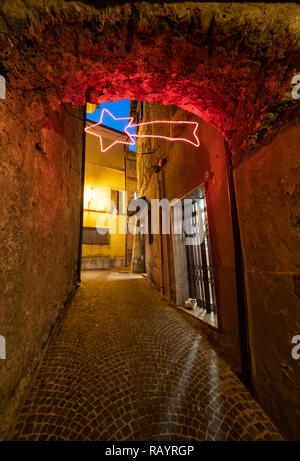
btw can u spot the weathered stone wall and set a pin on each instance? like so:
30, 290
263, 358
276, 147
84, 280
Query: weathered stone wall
186, 168
40, 187
267, 188
268, 194
131, 188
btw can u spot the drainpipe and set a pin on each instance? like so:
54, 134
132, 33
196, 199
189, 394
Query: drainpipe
240, 278
81, 199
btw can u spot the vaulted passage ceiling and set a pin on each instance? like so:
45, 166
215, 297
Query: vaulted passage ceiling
231, 64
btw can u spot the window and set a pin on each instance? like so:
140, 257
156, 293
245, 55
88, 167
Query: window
91, 236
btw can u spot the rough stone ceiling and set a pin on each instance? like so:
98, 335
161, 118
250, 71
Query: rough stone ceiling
229, 63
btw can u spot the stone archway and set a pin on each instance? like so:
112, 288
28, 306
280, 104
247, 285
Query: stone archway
232, 65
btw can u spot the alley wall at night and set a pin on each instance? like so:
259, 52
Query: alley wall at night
40, 153
268, 195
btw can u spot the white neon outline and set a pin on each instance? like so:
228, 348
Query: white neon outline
196, 144
89, 128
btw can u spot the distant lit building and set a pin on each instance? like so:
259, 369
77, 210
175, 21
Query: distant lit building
105, 243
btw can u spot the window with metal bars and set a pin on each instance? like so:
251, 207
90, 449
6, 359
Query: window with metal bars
199, 264
117, 199
198, 253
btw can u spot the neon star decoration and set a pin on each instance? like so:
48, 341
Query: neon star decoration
91, 130
131, 142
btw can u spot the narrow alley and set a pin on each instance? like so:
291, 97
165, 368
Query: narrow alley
122, 365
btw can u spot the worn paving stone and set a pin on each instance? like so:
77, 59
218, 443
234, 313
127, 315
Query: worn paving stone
122, 365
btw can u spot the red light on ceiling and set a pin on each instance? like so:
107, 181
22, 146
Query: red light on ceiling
91, 130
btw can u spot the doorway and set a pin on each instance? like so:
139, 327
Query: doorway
109, 185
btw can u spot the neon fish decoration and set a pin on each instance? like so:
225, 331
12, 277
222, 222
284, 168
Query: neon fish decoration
131, 141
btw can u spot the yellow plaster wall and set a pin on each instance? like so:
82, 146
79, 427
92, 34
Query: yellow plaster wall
103, 179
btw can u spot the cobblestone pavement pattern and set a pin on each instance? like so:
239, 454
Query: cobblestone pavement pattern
122, 365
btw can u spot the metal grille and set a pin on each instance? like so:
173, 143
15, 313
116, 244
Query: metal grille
199, 266
90, 236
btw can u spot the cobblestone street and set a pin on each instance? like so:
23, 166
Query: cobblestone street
122, 365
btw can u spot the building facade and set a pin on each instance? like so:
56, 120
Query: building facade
107, 176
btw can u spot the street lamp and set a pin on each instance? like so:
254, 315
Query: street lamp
90, 196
